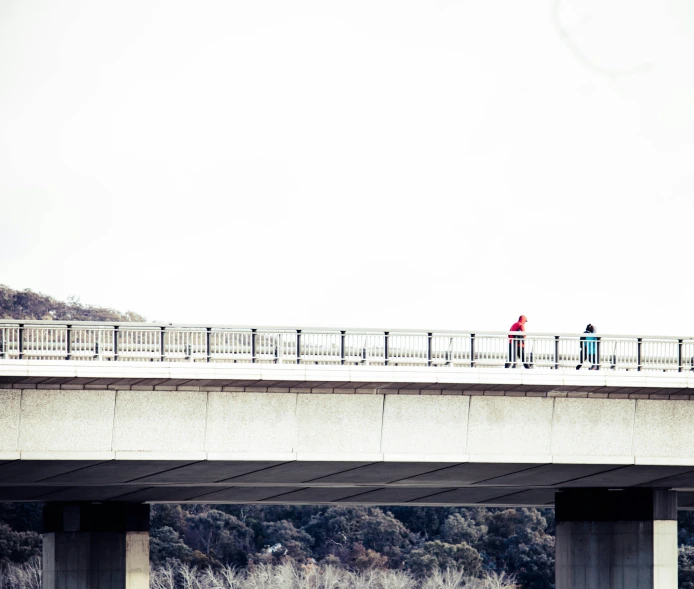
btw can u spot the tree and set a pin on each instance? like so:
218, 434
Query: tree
518, 543
440, 555
338, 529
22, 517
221, 537
424, 521
18, 547
166, 544
685, 567
362, 559
286, 540
457, 529
169, 515
685, 527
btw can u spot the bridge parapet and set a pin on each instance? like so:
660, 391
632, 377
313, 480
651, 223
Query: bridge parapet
121, 342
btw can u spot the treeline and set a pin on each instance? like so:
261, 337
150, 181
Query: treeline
27, 304
417, 540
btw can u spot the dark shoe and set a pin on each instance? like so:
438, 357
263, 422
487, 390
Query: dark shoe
507, 364
527, 366
578, 367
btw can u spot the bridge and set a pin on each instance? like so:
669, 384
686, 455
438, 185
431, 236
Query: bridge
98, 419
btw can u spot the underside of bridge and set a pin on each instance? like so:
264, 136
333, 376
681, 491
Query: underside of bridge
339, 482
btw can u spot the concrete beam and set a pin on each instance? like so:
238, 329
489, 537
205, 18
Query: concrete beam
191, 426
107, 444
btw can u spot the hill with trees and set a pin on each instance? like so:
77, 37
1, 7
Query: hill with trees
27, 304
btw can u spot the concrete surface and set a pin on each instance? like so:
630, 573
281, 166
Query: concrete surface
502, 429
340, 424
96, 546
616, 540
78, 421
579, 427
103, 445
663, 432
159, 422
189, 426
425, 425
238, 422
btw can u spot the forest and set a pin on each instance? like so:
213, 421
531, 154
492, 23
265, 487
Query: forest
389, 546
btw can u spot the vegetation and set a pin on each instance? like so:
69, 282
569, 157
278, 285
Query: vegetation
27, 304
417, 540
292, 576
284, 576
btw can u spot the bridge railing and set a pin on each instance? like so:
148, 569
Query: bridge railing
48, 340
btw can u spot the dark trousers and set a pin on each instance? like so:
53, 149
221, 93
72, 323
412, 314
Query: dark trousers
589, 354
516, 352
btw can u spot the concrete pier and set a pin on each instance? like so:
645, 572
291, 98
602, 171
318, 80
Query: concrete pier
96, 546
616, 539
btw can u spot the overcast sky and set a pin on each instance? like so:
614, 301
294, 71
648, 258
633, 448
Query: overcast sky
437, 164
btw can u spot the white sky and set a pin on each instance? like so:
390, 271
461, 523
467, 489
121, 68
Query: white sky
438, 164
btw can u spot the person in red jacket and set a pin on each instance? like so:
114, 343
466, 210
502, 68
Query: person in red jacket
516, 343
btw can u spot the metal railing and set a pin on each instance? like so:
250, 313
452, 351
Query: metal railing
48, 340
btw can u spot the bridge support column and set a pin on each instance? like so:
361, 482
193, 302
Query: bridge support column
95, 546
622, 539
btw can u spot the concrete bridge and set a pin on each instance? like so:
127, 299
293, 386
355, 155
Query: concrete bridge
96, 420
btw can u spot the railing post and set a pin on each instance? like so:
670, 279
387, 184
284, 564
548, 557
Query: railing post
20, 341
598, 359
253, 336
3, 355
385, 348
342, 347
277, 350
67, 343
208, 334
96, 350
556, 352
429, 335
161, 344
115, 343
679, 355
638, 353
472, 350
298, 346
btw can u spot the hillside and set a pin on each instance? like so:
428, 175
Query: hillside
27, 304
